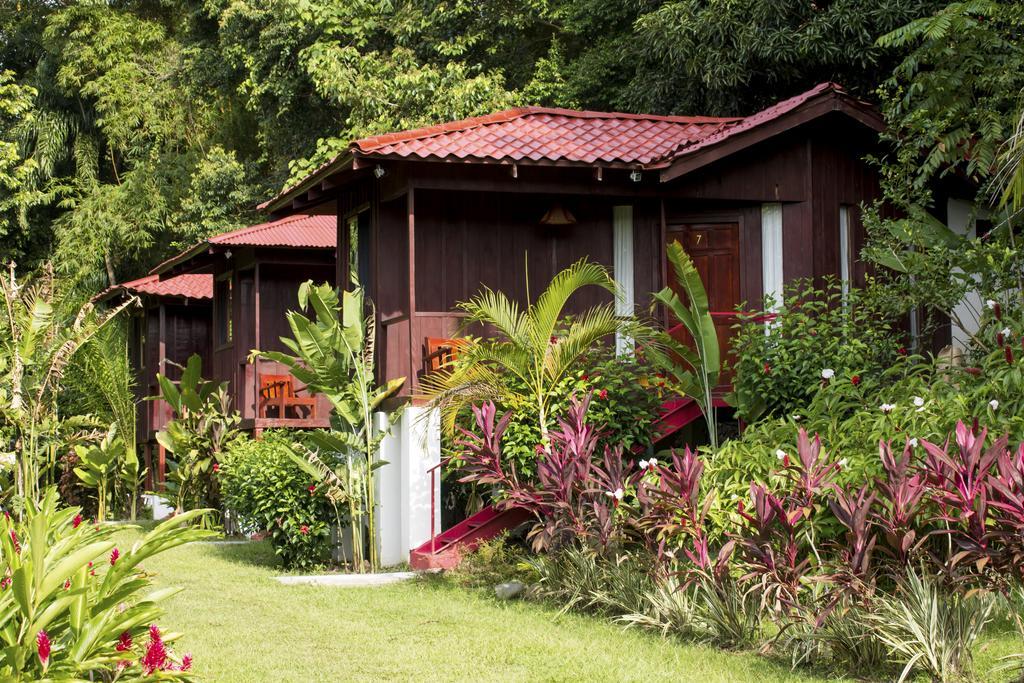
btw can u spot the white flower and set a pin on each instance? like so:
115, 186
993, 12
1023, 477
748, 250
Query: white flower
828, 373
993, 404
643, 464
780, 454
618, 494
913, 442
918, 401
1006, 331
652, 463
990, 304
842, 463
796, 418
8, 459
887, 407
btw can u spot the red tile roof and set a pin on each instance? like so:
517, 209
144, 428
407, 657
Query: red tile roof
299, 231
754, 120
554, 135
189, 286
315, 232
565, 136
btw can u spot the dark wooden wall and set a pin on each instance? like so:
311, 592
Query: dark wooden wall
466, 241
265, 286
186, 330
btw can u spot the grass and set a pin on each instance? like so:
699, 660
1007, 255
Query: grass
241, 625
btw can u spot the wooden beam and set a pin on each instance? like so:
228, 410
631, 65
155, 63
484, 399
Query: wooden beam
413, 328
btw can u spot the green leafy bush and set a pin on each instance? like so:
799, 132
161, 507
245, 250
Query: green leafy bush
75, 606
914, 398
779, 365
267, 490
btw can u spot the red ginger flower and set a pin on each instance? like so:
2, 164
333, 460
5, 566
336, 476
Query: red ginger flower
304, 530
155, 658
216, 467
76, 522
114, 554
767, 369
312, 489
603, 394
14, 539
186, 662
124, 642
855, 380
43, 648
902, 350
1008, 352
5, 583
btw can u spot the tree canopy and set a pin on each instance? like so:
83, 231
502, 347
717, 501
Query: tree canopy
129, 128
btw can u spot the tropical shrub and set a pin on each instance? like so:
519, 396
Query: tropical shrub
42, 327
334, 356
578, 496
625, 400
931, 627
692, 368
781, 355
264, 489
203, 427
524, 367
75, 606
98, 465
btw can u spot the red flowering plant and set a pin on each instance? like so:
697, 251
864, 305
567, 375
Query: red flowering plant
576, 495
71, 602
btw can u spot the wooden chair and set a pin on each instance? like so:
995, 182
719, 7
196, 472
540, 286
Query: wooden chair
278, 391
440, 353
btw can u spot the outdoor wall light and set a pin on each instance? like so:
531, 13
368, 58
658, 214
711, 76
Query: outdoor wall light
379, 172
635, 175
558, 215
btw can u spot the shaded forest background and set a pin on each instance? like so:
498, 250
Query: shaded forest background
129, 128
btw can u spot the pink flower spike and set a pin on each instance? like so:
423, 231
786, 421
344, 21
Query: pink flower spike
43, 648
114, 554
186, 662
124, 642
76, 522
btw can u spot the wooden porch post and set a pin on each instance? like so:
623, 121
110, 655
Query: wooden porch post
161, 467
413, 326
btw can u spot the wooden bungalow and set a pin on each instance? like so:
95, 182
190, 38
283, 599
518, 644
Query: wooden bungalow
173, 322
427, 217
255, 274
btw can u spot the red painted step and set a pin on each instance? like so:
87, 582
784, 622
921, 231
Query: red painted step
445, 550
677, 413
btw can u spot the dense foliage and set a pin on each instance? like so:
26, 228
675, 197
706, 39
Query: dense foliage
782, 355
129, 128
265, 490
626, 397
75, 606
896, 570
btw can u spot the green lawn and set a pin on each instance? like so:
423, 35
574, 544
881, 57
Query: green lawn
241, 625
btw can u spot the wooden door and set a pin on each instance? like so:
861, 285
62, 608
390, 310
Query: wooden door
715, 250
